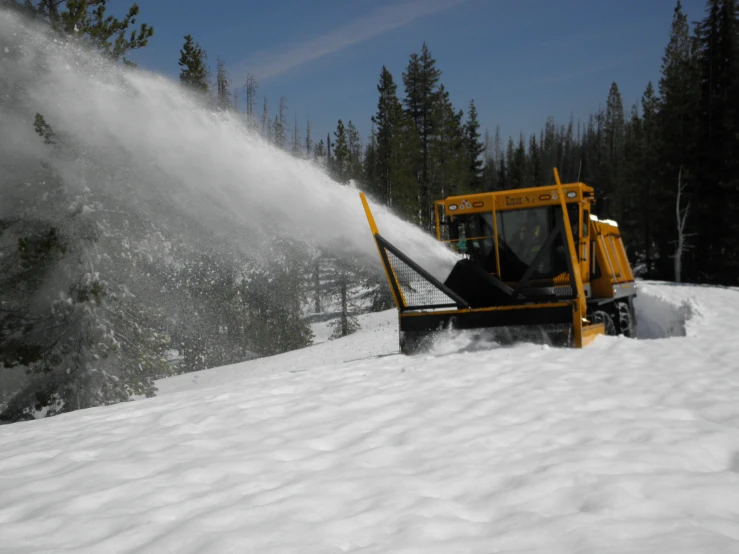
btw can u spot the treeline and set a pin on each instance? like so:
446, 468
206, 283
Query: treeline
669, 165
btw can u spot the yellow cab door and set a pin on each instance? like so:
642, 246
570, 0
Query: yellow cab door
580, 221
584, 252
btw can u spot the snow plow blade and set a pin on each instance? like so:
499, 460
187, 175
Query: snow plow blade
473, 301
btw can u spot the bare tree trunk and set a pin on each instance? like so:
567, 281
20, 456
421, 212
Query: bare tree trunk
251, 94
296, 138
317, 287
682, 216
344, 306
265, 118
328, 151
308, 140
282, 111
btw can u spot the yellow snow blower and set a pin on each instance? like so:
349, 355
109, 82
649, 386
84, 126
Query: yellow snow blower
537, 265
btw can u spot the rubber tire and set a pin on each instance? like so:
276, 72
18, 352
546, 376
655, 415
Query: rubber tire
625, 320
605, 318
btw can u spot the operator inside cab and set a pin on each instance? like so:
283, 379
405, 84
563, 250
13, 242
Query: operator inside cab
530, 237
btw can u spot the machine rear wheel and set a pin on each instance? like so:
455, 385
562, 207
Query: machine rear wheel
625, 318
605, 318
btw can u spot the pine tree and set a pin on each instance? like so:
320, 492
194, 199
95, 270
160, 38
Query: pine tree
279, 127
194, 72
517, 165
503, 173
272, 296
633, 185
648, 172
354, 147
421, 80
489, 172
717, 257
89, 21
448, 167
569, 160
369, 164
340, 166
320, 151
308, 139
94, 344
346, 323
592, 152
387, 122
405, 146
316, 285
549, 146
537, 171
497, 145
277, 134
614, 126
340, 277
474, 149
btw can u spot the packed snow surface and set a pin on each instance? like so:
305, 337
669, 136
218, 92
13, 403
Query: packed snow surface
625, 446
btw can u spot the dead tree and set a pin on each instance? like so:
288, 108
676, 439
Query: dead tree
251, 87
681, 244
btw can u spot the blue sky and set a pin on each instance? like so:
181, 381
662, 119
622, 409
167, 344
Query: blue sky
520, 60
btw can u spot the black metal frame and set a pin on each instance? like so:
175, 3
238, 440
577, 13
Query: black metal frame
475, 319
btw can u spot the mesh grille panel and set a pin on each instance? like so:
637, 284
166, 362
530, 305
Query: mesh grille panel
417, 291
565, 291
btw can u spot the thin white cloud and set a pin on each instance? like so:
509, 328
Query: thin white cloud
268, 64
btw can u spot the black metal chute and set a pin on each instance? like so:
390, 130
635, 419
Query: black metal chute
413, 286
477, 287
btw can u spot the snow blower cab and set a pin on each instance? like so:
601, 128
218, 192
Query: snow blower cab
536, 265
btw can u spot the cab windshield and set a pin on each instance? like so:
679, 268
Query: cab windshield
521, 236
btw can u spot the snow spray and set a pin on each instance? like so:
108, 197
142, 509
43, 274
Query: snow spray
184, 154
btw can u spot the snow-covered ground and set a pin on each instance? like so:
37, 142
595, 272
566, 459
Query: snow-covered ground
626, 446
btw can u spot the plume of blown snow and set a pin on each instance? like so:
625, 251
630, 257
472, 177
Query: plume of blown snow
159, 148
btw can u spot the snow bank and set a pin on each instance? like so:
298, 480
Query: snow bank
659, 317
625, 446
